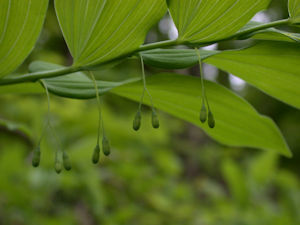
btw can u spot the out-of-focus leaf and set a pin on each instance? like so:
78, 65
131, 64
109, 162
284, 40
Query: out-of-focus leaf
273, 67
263, 167
207, 20
16, 127
97, 31
20, 25
236, 181
174, 58
25, 88
294, 9
237, 122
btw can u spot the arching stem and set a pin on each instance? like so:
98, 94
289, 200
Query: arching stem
100, 120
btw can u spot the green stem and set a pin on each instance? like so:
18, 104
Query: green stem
161, 44
201, 73
261, 27
59, 144
144, 84
100, 121
33, 77
244, 33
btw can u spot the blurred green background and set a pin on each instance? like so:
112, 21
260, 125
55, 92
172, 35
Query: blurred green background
175, 175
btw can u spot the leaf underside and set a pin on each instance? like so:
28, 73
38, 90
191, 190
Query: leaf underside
273, 67
20, 25
75, 85
270, 34
97, 31
206, 20
294, 10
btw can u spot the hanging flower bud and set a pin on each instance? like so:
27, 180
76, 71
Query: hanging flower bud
203, 113
155, 120
137, 121
105, 146
96, 154
58, 167
36, 157
66, 161
211, 120
58, 164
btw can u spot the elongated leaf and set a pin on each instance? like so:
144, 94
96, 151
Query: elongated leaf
294, 9
97, 31
174, 58
210, 20
273, 67
236, 181
237, 122
275, 35
75, 85
20, 25
271, 34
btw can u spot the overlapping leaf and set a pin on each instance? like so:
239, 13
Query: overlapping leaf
75, 85
271, 34
97, 31
273, 67
237, 122
210, 20
20, 25
294, 9
174, 58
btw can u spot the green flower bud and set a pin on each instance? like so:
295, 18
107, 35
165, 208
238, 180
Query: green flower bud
137, 121
66, 161
58, 164
211, 120
96, 154
105, 146
203, 113
155, 120
36, 157
58, 167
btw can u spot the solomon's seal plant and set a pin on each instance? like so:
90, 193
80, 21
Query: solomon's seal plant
101, 34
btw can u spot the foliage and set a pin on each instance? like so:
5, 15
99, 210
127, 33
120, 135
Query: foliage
173, 175
101, 34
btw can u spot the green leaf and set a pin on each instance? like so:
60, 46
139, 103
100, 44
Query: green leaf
20, 25
75, 85
24, 88
235, 178
271, 34
206, 20
237, 122
98, 31
21, 129
294, 9
270, 66
174, 58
